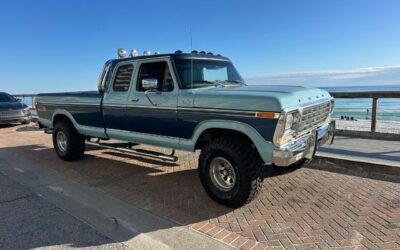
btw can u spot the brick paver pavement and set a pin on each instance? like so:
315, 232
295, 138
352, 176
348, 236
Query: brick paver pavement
307, 208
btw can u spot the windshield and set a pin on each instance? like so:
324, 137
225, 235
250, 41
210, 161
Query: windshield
206, 73
6, 98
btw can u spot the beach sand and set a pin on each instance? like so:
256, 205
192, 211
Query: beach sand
392, 127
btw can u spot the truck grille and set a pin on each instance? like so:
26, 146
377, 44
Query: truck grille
10, 113
314, 116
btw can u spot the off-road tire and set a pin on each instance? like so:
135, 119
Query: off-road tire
75, 147
248, 168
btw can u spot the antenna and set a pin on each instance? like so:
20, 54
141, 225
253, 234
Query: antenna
191, 62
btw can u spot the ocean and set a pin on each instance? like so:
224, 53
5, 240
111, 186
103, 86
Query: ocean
388, 109
361, 108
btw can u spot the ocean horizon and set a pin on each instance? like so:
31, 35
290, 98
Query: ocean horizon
361, 108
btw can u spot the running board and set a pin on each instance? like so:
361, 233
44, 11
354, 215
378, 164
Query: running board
139, 152
48, 130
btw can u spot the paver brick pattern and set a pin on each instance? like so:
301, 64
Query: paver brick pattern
307, 208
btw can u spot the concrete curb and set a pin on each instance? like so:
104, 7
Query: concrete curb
368, 135
360, 166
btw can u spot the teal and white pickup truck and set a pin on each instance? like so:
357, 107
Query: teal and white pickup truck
193, 101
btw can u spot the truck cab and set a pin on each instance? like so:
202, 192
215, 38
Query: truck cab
194, 101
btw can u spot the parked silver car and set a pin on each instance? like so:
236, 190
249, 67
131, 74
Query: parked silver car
12, 110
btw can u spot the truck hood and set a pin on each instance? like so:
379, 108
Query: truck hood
257, 97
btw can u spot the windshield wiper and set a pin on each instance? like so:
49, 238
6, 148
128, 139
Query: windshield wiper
215, 83
235, 81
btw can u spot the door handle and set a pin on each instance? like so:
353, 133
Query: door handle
135, 100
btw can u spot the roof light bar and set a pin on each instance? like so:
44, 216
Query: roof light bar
134, 53
121, 53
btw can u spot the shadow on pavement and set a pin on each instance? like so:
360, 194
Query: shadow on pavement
174, 191
7, 125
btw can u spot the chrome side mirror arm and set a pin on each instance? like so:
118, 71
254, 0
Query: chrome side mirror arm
148, 97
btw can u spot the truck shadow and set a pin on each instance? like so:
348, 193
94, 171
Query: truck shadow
175, 186
7, 125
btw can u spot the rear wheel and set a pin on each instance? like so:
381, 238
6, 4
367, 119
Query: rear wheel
68, 143
231, 171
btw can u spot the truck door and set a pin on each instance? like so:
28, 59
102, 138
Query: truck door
115, 99
152, 113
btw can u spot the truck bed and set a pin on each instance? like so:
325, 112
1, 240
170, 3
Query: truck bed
84, 106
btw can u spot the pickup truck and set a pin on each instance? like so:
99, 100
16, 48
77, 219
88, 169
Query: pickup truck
193, 101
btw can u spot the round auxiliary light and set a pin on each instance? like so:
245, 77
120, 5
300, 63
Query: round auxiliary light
202, 52
178, 51
121, 53
195, 52
157, 53
134, 53
209, 53
146, 53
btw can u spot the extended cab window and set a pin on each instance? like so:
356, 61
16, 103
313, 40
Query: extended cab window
123, 77
159, 71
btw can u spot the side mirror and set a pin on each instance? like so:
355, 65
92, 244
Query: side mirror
149, 84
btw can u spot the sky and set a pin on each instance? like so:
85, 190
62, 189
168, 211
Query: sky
48, 46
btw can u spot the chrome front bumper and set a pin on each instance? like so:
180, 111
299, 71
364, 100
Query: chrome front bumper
304, 147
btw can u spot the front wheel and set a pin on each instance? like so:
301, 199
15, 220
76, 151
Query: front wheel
230, 171
68, 143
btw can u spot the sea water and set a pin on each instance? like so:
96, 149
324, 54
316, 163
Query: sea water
361, 108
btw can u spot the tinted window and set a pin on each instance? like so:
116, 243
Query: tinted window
123, 78
159, 71
6, 98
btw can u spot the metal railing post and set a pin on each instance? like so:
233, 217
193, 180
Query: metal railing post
373, 117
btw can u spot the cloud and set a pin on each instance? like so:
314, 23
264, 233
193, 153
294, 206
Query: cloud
387, 75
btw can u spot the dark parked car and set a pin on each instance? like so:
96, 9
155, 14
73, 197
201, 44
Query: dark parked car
12, 110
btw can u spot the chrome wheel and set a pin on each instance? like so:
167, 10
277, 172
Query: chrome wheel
61, 141
222, 174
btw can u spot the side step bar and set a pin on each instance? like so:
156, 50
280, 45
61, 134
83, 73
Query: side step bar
48, 130
140, 152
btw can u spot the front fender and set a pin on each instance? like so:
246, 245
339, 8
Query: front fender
265, 148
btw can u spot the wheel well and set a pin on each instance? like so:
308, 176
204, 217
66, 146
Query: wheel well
61, 118
213, 133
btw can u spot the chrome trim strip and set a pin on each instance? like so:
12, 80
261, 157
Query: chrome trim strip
67, 104
181, 109
219, 111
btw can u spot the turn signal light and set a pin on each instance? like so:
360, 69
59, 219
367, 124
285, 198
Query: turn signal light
270, 115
